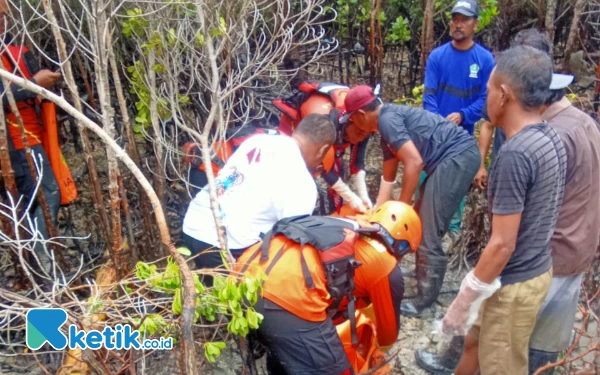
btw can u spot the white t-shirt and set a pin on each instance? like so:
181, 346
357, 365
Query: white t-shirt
265, 180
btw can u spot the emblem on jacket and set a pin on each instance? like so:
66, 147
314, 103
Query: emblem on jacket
474, 71
235, 178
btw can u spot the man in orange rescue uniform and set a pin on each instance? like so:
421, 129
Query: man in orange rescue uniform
18, 60
306, 262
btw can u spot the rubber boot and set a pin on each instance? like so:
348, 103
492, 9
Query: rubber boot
430, 278
444, 363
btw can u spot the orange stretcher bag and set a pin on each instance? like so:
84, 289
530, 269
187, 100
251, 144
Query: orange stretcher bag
66, 183
364, 355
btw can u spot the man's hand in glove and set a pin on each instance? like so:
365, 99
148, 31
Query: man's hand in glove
385, 192
360, 184
344, 191
464, 310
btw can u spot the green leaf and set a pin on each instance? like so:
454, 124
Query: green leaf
200, 39
171, 278
221, 30
152, 324
177, 304
198, 284
143, 270
171, 36
184, 251
212, 350
220, 344
183, 99
252, 318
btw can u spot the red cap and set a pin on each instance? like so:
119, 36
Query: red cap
358, 97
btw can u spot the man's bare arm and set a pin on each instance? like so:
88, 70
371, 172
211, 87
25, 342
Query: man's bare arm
502, 244
390, 169
485, 141
410, 157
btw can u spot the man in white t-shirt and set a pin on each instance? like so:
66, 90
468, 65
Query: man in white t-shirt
269, 177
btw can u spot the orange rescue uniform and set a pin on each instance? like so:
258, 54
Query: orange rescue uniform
33, 129
286, 286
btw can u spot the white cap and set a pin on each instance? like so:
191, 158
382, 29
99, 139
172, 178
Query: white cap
560, 81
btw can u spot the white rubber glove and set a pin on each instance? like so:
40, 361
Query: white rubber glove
344, 191
360, 184
385, 192
463, 311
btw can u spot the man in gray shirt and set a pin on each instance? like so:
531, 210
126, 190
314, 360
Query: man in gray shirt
525, 193
420, 140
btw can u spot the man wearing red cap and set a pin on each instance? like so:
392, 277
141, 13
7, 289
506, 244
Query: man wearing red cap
425, 141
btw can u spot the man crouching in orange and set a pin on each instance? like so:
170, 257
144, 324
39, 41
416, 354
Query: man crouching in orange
319, 270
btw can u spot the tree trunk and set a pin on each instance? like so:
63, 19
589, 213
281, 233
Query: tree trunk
8, 174
540, 12
86, 80
85, 141
373, 44
379, 43
427, 34
550, 15
133, 151
155, 119
574, 31
101, 39
214, 122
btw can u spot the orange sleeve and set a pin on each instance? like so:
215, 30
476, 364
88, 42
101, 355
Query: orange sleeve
386, 296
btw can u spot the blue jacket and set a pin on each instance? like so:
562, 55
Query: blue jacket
455, 81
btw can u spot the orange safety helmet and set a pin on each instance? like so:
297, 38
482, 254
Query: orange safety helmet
316, 103
400, 227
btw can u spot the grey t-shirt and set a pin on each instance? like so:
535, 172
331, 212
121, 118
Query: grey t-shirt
435, 138
528, 177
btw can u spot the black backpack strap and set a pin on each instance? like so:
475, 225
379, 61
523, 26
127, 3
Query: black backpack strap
334, 115
252, 257
276, 258
310, 284
352, 318
264, 248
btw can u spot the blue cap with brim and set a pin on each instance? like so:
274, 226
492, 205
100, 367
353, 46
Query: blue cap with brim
467, 8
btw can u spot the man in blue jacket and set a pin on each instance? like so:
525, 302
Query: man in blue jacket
456, 76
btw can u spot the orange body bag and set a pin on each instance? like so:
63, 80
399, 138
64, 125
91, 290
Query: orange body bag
364, 355
66, 184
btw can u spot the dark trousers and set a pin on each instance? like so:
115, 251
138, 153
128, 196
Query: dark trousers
26, 188
208, 256
440, 197
297, 346
539, 358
